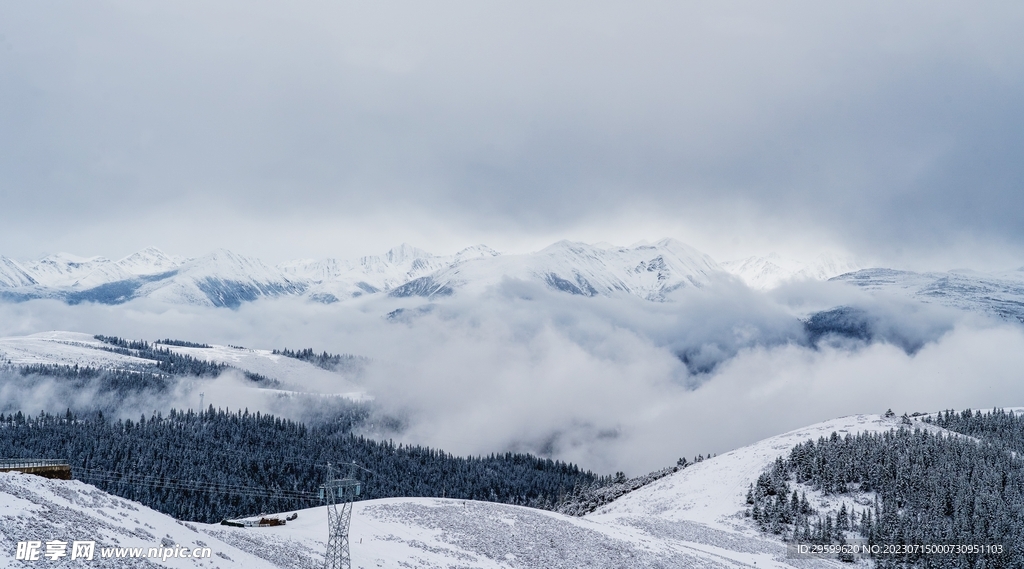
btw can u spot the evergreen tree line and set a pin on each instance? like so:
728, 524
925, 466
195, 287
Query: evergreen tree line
261, 451
166, 360
107, 380
182, 343
997, 426
330, 362
928, 489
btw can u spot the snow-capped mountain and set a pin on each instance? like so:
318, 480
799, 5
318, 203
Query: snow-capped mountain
334, 279
64, 269
221, 278
998, 294
646, 271
768, 272
67, 270
150, 261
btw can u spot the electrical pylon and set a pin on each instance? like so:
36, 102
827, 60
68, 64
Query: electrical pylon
339, 493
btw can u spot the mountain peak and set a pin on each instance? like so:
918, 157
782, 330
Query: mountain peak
405, 252
149, 261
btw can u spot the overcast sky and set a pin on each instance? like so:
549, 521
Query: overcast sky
890, 131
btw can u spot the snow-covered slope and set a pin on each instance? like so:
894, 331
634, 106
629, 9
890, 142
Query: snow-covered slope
37, 509
64, 348
399, 532
437, 533
13, 275
692, 518
764, 273
293, 374
221, 278
713, 492
998, 294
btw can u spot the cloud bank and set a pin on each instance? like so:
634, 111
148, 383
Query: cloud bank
610, 383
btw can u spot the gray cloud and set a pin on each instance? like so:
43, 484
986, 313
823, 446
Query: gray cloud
893, 131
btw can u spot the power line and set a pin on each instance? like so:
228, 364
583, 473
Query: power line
193, 485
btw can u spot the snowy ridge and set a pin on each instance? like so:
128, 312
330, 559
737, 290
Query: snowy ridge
67, 270
64, 269
295, 377
999, 294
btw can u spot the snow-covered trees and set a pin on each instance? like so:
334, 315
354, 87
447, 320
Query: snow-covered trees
929, 488
262, 451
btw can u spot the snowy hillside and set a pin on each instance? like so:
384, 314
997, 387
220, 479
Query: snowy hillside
64, 348
764, 273
692, 518
292, 376
998, 294
401, 532
37, 509
712, 492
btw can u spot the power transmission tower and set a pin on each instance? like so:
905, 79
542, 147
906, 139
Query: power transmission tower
338, 494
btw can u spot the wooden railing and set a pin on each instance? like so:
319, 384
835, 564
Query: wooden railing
17, 463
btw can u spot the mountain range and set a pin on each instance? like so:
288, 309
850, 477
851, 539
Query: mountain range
223, 278
651, 271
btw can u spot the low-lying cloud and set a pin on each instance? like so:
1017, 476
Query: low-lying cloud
610, 383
